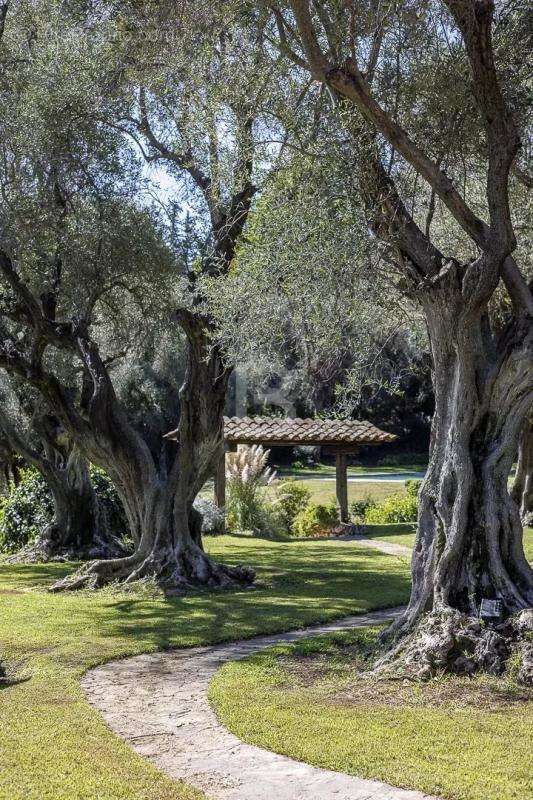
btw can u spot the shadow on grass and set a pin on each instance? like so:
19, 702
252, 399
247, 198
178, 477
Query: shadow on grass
35, 575
299, 583
12, 673
298, 589
398, 529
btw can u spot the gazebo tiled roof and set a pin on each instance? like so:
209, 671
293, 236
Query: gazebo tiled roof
341, 437
280, 431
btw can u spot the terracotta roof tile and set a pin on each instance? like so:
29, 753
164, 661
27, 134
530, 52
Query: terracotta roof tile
302, 431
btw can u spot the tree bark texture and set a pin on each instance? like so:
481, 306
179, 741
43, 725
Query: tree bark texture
522, 491
159, 501
469, 541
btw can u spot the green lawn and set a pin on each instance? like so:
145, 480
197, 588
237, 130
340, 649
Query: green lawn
397, 534
329, 469
405, 534
462, 739
53, 746
323, 491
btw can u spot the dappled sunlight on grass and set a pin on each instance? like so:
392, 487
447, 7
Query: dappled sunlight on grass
51, 738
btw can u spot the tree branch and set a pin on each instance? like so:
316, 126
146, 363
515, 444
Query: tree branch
474, 20
350, 83
283, 43
521, 175
393, 222
183, 160
18, 445
318, 62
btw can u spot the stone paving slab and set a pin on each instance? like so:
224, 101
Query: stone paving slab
158, 704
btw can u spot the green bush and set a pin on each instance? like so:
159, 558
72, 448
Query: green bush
394, 509
314, 520
412, 487
359, 508
30, 508
25, 513
110, 504
292, 497
213, 522
245, 507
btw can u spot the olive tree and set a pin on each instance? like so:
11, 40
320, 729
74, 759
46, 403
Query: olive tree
522, 491
298, 305
431, 95
85, 269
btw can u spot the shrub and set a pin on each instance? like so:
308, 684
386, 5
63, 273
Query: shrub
25, 513
315, 520
359, 508
247, 473
212, 517
394, 509
412, 487
110, 504
305, 456
30, 508
291, 498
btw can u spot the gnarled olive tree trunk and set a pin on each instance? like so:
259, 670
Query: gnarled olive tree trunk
522, 492
79, 528
469, 541
159, 501
9, 468
75, 530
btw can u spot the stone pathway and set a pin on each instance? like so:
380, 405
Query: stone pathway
158, 704
391, 548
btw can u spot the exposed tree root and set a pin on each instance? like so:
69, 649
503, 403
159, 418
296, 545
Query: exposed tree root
462, 645
176, 571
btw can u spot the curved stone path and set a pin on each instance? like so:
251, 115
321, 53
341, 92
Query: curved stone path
158, 704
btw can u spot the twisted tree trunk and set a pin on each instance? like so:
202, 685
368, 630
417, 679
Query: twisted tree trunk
159, 502
9, 468
469, 540
79, 529
522, 492
5, 479
75, 530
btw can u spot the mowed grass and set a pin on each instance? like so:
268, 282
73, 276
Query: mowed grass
53, 746
329, 469
460, 739
405, 535
323, 491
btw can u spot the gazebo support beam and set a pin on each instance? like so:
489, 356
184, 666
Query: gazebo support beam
341, 486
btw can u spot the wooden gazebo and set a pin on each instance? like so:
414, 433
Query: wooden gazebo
341, 437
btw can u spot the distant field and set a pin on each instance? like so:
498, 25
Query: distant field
324, 490
324, 470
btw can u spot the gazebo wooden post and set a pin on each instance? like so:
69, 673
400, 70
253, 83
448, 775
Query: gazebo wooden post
341, 485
